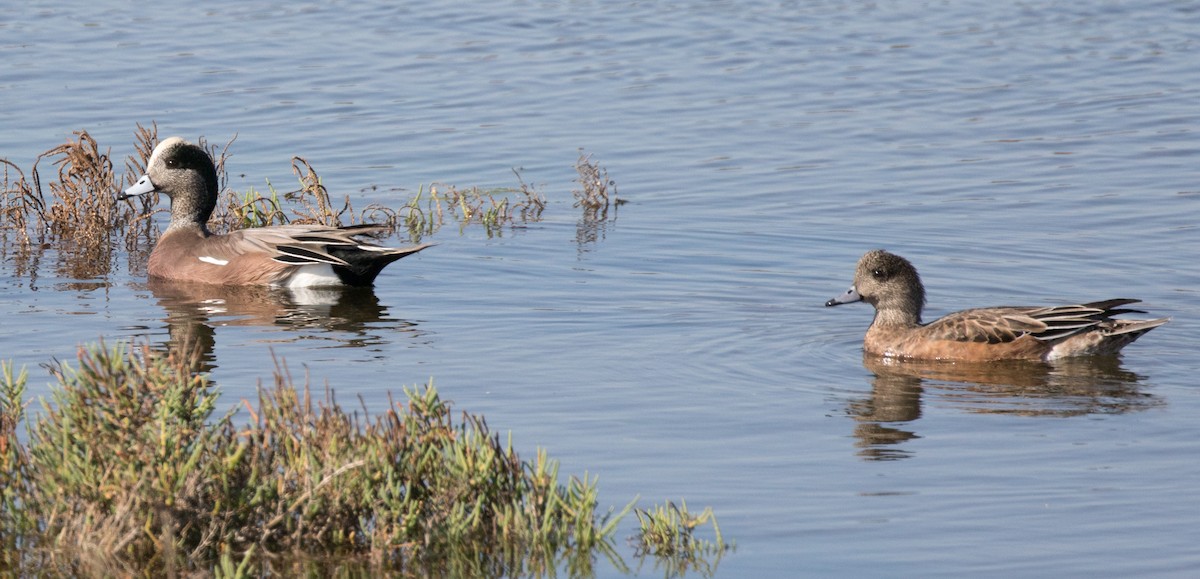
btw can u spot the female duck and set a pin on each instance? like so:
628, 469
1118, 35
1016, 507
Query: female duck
891, 284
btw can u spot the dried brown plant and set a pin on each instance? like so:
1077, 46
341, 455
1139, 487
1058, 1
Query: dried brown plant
17, 202
139, 226
314, 197
596, 194
80, 214
594, 185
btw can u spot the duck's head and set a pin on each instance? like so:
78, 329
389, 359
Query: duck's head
888, 282
184, 172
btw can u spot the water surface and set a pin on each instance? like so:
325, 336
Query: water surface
1031, 153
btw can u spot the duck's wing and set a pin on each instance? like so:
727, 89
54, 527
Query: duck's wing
1008, 323
985, 325
312, 244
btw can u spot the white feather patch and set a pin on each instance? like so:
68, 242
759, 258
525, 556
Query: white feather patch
213, 260
315, 275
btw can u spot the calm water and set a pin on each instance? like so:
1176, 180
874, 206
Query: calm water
1041, 152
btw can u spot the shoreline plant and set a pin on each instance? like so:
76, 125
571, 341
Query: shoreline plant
130, 469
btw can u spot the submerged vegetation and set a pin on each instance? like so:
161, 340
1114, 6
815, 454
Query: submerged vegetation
130, 469
596, 194
75, 211
491, 208
594, 186
421, 216
667, 532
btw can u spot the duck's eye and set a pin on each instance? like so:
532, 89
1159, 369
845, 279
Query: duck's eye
879, 274
172, 163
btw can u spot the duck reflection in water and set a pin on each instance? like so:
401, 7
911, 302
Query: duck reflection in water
349, 317
1068, 387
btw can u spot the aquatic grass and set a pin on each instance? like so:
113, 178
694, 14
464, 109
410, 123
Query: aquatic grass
430, 208
482, 206
18, 202
129, 468
74, 212
596, 194
309, 203
596, 190
253, 209
77, 207
667, 532
422, 215
314, 198
140, 229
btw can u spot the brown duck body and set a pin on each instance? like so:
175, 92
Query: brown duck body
891, 284
282, 255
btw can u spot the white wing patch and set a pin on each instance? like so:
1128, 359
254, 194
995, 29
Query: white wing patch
313, 275
213, 260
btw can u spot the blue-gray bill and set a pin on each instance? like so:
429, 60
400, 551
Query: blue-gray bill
849, 297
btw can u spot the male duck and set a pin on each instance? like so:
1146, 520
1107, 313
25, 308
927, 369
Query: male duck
891, 284
284, 255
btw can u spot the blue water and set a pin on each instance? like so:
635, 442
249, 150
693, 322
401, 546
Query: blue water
1027, 153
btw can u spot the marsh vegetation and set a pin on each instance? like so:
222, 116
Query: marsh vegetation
131, 469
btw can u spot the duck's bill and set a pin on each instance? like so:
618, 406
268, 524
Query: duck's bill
849, 297
142, 187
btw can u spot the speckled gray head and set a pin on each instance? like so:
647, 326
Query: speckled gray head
144, 184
